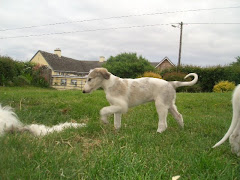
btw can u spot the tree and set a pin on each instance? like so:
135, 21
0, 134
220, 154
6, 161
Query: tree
236, 63
128, 65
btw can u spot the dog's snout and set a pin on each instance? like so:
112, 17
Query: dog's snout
84, 91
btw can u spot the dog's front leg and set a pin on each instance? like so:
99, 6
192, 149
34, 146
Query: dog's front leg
117, 120
109, 110
103, 118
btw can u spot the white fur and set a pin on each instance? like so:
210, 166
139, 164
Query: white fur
234, 129
42, 130
10, 122
125, 93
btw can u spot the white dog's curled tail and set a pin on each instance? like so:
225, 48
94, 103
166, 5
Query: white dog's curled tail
236, 115
177, 84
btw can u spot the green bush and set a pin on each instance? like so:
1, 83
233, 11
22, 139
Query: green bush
175, 76
21, 81
14, 73
8, 70
224, 86
209, 76
38, 78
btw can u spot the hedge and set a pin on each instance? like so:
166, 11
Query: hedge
15, 73
209, 76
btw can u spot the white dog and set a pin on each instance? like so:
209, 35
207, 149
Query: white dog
234, 129
9, 122
125, 93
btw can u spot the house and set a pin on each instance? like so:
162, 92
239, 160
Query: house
68, 73
165, 63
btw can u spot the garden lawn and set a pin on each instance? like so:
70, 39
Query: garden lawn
99, 152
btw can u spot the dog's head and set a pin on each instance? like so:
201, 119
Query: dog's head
95, 79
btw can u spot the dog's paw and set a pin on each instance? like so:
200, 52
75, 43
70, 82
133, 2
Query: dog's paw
160, 130
116, 130
181, 125
180, 120
235, 143
104, 119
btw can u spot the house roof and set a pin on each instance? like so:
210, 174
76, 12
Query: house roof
65, 64
68, 64
164, 59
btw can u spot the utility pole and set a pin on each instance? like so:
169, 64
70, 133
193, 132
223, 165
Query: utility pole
180, 47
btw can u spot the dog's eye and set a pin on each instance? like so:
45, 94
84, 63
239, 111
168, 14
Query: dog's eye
89, 79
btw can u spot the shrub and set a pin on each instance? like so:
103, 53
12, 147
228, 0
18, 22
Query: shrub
209, 76
8, 70
21, 81
151, 74
38, 78
14, 73
224, 86
175, 76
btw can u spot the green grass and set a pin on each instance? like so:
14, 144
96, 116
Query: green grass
135, 152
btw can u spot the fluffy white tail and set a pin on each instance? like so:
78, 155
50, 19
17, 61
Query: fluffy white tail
9, 122
42, 130
236, 114
177, 84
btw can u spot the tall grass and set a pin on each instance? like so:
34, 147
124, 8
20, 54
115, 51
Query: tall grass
135, 152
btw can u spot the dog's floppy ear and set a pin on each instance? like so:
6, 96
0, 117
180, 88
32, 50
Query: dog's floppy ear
104, 72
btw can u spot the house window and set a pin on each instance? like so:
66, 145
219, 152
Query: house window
74, 82
63, 82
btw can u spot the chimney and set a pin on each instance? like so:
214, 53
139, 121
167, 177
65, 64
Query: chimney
101, 59
58, 52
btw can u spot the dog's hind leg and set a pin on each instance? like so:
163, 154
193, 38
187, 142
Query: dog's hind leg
177, 116
235, 139
162, 111
117, 120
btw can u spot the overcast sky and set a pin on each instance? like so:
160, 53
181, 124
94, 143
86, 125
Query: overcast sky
92, 25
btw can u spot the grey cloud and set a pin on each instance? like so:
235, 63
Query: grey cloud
202, 44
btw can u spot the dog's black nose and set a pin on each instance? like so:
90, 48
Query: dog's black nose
84, 91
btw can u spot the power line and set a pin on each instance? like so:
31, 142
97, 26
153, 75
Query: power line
211, 23
118, 17
88, 30
112, 28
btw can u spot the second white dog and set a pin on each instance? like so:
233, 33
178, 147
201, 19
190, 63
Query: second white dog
125, 93
234, 129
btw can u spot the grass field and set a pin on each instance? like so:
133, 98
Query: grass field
135, 152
